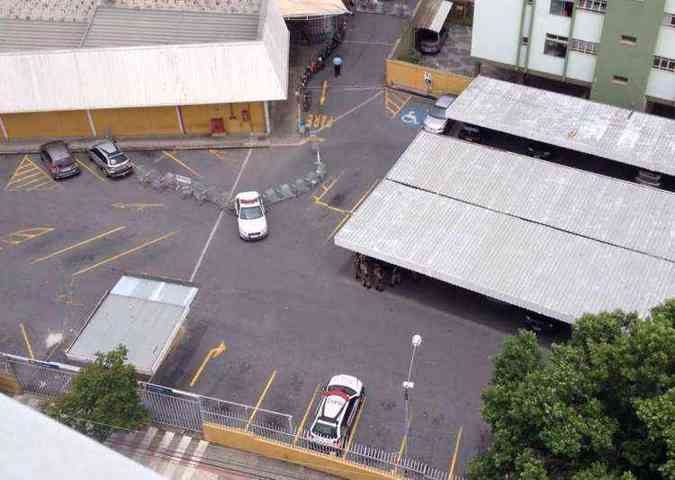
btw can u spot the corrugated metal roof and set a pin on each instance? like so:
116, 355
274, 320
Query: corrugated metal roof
431, 14
115, 27
16, 35
152, 75
68, 453
602, 208
632, 138
143, 314
311, 8
549, 271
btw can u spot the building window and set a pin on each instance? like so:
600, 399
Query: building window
526, 40
663, 63
628, 40
669, 20
562, 7
555, 45
593, 5
620, 80
583, 46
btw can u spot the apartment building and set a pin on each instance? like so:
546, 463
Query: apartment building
622, 50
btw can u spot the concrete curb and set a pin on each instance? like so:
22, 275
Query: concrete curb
144, 144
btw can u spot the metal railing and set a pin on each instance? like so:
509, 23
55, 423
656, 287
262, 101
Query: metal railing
188, 411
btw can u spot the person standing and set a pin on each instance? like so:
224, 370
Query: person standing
395, 276
337, 65
357, 266
365, 272
378, 272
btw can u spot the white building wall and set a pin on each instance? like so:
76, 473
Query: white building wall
545, 23
495, 30
581, 66
661, 85
670, 6
665, 42
588, 26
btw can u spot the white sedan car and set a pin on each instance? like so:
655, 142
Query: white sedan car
251, 218
339, 405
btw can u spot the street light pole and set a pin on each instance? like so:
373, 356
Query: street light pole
408, 385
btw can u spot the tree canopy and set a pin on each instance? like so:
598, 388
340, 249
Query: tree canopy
103, 397
600, 406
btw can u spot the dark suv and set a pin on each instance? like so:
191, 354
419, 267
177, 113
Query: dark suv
58, 160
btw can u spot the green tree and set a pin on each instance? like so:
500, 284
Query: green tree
103, 397
600, 406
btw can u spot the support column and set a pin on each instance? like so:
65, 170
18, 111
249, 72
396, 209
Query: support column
519, 40
268, 127
91, 124
529, 36
181, 125
4, 130
570, 36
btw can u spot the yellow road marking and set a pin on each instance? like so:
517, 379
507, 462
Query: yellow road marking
137, 206
338, 227
90, 170
261, 398
40, 185
319, 121
25, 339
395, 102
213, 353
304, 417
331, 207
40, 178
453, 462
19, 177
125, 253
79, 244
20, 236
28, 173
363, 197
324, 87
179, 162
352, 434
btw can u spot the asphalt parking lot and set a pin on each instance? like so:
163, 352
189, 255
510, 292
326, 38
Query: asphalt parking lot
287, 304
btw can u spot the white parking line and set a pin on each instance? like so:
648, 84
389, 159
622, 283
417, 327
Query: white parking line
220, 217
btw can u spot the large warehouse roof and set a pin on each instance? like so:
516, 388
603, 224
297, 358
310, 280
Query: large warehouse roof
616, 212
625, 136
102, 57
476, 225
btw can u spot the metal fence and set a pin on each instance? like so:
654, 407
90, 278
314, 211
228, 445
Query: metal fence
189, 411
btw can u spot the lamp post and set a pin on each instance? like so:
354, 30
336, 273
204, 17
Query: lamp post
408, 385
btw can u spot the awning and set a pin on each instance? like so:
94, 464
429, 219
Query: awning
432, 15
291, 9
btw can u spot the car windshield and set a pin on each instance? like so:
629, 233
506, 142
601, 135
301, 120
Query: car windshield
121, 158
437, 112
250, 213
325, 429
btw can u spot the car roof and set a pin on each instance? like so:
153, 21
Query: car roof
348, 381
107, 146
57, 146
445, 101
248, 196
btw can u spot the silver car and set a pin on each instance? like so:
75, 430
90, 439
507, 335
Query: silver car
437, 120
110, 159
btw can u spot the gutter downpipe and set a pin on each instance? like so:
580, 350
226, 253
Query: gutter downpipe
529, 36
519, 40
569, 41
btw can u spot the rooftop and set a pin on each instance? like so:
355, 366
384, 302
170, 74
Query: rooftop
142, 313
551, 239
83, 10
625, 136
